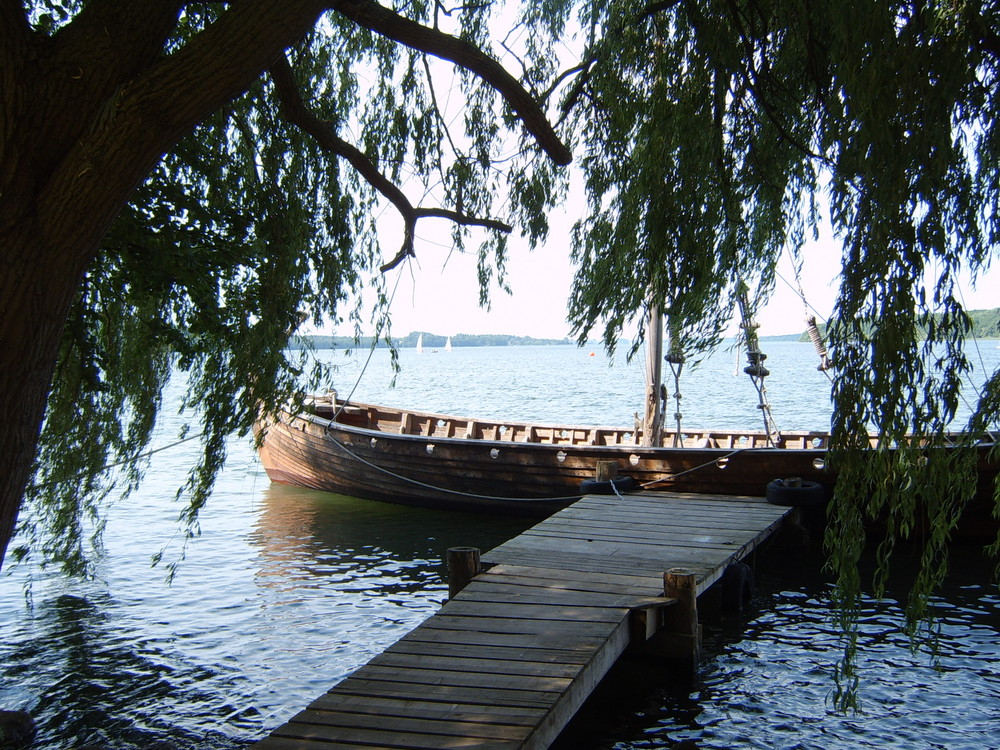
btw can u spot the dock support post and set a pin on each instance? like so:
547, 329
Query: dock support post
463, 566
680, 637
606, 471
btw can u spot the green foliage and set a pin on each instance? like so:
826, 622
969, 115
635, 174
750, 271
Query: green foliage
244, 230
714, 131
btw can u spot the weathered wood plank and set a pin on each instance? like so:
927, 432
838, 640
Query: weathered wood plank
512, 654
495, 590
583, 563
333, 719
383, 707
552, 612
511, 697
520, 640
309, 736
596, 550
480, 664
522, 627
569, 702
579, 580
377, 672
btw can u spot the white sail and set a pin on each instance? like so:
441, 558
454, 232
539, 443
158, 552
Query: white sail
447, 346
420, 344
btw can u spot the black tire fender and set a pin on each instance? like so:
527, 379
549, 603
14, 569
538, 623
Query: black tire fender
804, 493
608, 487
737, 587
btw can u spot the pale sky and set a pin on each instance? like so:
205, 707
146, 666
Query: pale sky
438, 292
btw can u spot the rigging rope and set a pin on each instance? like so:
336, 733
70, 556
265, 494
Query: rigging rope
818, 344
675, 358
755, 367
811, 328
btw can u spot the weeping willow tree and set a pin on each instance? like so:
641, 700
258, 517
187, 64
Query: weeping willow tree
183, 184
180, 181
713, 133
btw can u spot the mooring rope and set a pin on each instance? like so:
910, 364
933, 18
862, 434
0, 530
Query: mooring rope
699, 467
436, 488
461, 493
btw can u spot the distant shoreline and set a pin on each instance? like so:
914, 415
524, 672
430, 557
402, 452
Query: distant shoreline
985, 327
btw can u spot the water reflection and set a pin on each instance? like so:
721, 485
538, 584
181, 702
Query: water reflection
96, 682
321, 539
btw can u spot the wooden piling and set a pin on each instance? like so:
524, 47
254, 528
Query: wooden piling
606, 471
679, 637
463, 566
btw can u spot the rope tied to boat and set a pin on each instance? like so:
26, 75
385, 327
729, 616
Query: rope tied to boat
425, 485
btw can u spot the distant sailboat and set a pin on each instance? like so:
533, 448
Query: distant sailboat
420, 344
447, 346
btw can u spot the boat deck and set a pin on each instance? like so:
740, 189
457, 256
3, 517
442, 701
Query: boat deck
510, 659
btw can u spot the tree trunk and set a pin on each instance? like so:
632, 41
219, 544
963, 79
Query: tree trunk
84, 116
37, 290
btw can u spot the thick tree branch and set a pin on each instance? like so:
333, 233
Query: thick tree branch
383, 21
149, 113
113, 40
296, 112
14, 28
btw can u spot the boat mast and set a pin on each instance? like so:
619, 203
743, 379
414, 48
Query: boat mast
652, 423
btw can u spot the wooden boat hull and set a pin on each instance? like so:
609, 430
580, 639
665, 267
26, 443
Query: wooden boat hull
455, 463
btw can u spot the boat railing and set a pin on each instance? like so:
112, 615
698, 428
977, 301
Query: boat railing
407, 422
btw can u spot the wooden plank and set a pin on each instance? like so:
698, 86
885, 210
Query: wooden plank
384, 706
570, 701
308, 736
682, 516
478, 664
550, 612
489, 651
578, 580
583, 563
644, 553
539, 683
680, 538
569, 581
664, 511
510, 697
329, 719
523, 627
514, 593
430, 633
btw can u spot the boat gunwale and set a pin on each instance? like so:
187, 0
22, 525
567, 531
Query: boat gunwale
329, 424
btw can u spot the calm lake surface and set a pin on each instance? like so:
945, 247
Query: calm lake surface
289, 590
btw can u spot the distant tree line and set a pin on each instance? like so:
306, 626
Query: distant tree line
431, 341
985, 325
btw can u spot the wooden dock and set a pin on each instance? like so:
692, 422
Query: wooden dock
508, 661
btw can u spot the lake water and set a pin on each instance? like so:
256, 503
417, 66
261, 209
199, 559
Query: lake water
289, 590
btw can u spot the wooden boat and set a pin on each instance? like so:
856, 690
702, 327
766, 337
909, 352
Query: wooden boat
444, 461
